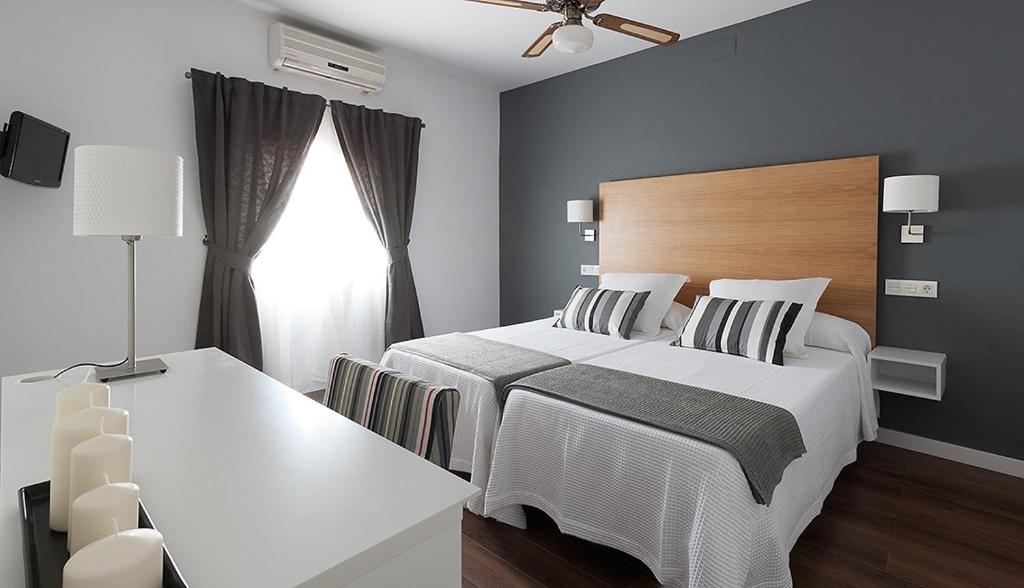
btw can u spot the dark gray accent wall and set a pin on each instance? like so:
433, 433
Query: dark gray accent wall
932, 86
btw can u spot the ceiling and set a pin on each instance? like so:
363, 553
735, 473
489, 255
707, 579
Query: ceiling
484, 43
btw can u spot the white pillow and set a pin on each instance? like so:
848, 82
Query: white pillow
663, 289
831, 332
676, 317
807, 292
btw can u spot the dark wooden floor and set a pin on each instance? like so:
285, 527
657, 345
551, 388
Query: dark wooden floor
894, 518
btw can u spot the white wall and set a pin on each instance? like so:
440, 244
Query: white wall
113, 72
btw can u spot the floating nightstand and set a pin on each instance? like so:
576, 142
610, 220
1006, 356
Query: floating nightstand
912, 373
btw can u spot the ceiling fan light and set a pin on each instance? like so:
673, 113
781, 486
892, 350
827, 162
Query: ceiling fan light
573, 38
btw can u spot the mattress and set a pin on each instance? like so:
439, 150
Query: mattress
680, 505
479, 412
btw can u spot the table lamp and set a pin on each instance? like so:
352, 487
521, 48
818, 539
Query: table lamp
130, 193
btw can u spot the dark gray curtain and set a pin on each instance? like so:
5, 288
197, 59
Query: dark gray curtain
382, 151
252, 140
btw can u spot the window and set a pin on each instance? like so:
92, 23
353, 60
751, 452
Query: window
321, 279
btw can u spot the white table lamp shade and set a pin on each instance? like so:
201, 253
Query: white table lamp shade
127, 191
911, 194
580, 211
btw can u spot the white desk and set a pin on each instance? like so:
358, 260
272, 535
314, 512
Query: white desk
303, 496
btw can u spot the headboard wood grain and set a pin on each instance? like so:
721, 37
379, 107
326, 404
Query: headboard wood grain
778, 222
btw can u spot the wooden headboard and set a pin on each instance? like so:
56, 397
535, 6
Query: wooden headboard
779, 222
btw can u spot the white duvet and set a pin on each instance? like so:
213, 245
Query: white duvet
478, 415
680, 505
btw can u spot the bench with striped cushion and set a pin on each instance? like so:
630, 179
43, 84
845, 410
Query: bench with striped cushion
409, 412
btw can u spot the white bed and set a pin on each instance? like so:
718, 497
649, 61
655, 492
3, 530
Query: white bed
478, 406
680, 505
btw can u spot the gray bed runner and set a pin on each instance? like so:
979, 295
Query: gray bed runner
498, 363
763, 438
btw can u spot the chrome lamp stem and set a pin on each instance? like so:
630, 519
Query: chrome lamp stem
131, 367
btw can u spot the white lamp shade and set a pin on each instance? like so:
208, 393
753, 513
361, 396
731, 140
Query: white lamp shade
580, 211
911, 194
573, 39
127, 191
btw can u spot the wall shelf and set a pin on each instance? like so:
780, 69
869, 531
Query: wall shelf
921, 374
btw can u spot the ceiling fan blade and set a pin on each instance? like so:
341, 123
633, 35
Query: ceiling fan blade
515, 4
543, 42
589, 5
636, 29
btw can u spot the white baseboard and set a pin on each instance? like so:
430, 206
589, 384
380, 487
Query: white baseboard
974, 457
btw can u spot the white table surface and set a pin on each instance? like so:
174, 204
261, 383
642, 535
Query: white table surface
251, 483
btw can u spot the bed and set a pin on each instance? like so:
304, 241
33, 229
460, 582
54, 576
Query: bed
478, 415
680, 505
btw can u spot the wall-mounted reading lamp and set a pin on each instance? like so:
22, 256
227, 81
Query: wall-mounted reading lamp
911, 194
581, 211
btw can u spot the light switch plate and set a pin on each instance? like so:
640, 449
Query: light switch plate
912, 288
590, 270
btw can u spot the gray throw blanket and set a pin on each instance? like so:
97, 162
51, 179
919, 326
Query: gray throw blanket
499, 363
763, 438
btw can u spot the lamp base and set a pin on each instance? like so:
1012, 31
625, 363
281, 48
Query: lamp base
912, 234
142, 368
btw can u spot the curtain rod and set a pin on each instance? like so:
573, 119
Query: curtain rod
188, 76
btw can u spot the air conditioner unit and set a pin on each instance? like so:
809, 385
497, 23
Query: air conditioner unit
311, 55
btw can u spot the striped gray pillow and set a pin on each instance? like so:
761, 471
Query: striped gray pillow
753, 328
609, 312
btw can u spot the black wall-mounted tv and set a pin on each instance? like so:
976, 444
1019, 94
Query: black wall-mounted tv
33, 151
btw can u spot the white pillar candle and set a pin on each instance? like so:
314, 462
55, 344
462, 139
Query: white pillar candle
125, 559
105, 454
92, 512
80, 397
66, 434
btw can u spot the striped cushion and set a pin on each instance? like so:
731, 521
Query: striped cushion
754, 328
402, 409
609, 312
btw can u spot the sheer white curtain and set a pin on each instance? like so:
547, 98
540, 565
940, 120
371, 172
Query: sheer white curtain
321, 279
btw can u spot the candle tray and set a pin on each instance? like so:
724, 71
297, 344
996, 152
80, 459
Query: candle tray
46, 551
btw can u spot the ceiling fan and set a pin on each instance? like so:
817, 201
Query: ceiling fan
570, 36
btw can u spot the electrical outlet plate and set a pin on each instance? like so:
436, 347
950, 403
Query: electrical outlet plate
590, 270
912, 288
